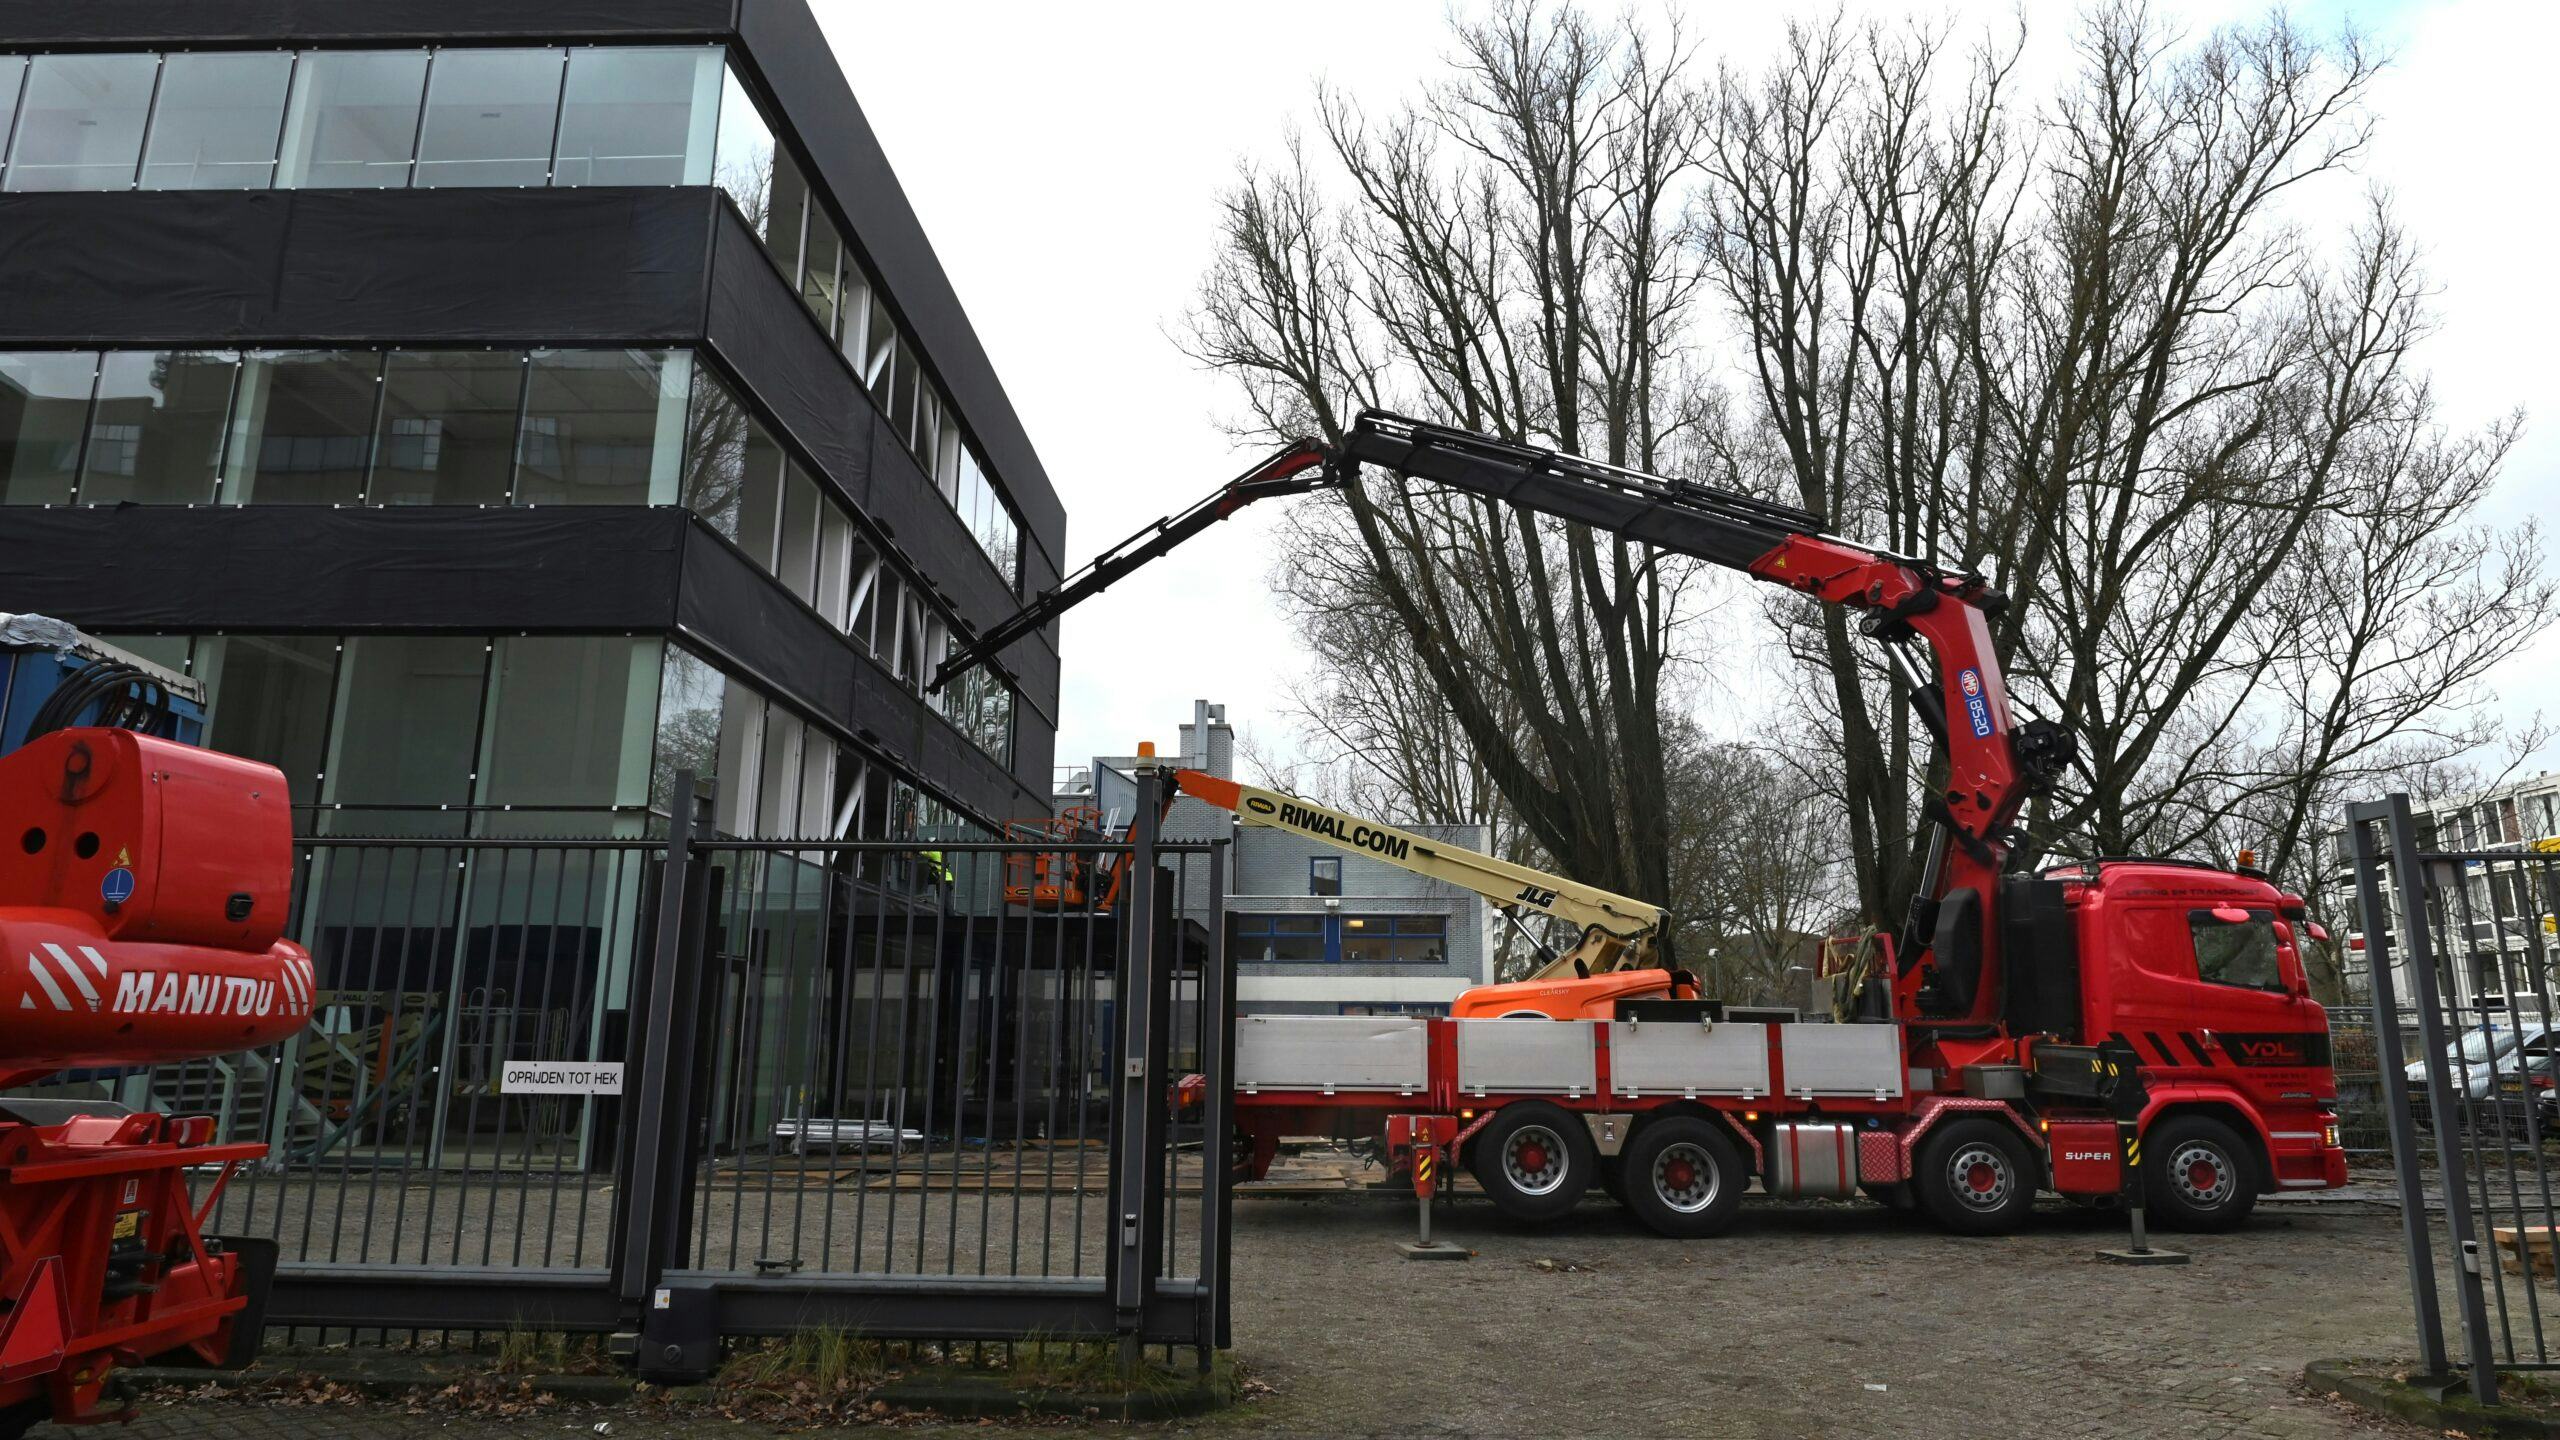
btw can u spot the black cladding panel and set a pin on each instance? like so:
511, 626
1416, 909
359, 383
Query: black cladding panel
2039, 958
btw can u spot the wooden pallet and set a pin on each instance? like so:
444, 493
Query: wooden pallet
2538, 1245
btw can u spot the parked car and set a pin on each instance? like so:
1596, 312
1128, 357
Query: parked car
2484, 1056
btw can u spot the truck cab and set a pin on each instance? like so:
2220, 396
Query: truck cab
2197, 972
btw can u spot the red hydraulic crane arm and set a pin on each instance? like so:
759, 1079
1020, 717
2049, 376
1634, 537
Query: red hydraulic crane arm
1994, 761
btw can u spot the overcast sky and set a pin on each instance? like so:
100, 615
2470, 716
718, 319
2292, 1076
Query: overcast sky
1066, 159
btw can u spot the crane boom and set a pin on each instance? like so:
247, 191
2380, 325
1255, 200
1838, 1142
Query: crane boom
1618, 932
1947, 962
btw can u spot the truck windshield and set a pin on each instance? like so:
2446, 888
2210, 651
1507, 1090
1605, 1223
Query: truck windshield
2237, 952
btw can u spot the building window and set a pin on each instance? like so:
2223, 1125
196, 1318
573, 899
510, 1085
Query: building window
44, 407
217, 122
567, 728
691, 697
302, 430
1280, 939
405, 730
80, 122
639, 115
489, 118
1395, 939
1324, 874
155, 437
743, 154
448, 434
353, 123
267, 698
603, 427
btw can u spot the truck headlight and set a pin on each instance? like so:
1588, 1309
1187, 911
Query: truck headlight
2329, 1135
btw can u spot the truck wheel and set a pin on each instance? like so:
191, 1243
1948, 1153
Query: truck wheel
1976, 1177
1534, 1161
1683, 1177
2198, 1174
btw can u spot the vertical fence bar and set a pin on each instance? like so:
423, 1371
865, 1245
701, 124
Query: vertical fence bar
648, 1206
2443, 1103
1137, 1114
2394, 1076
1217, 1110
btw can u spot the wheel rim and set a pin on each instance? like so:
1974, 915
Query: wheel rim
1980, 1178
1533, 1159
1686, 1178
2202, 1175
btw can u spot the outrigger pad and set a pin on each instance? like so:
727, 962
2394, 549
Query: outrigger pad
257, 1281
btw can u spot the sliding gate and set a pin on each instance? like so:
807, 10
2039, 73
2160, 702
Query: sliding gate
696, 1088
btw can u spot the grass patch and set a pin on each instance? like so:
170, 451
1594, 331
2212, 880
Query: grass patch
549, 1352
828, 1362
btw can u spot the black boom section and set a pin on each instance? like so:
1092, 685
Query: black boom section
1721, 526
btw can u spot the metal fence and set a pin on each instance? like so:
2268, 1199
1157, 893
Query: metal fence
692, 1088
2460, 952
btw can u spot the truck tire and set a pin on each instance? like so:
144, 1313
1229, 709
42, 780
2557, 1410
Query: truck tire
1534, 1161
1975, 1176
1683, 1177
2198, 1174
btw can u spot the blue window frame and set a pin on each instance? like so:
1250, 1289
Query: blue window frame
1338, 939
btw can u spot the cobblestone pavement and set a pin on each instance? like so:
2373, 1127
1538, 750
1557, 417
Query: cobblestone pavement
1807, 1321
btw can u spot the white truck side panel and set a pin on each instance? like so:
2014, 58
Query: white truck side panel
1863, 1060
1332, 1053
1526, 1055
1674, 1058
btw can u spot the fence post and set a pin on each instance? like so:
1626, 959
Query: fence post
2394, 1081
1137, 1108
1217, 1111
2442, 1103
649, 1211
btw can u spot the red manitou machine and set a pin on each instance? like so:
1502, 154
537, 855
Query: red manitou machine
2103, 1029
143, 892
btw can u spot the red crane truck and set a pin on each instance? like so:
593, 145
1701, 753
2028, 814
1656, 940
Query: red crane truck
2002, 1021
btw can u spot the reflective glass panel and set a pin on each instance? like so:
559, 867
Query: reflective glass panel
743, 160
795, 563
13, 74
819, 253
490, 117
603, 427
353, 120
217, 122
302, 427
80, 122
690, 693
44, 404
715, 445
448, 432
783, 214
156, 436
760, 496
570, 721
269, 699
639, 115
407, 727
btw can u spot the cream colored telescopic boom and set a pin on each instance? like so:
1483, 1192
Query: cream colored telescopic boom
1616, 931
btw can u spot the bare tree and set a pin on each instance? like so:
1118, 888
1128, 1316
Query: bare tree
1515, 261
2081, 345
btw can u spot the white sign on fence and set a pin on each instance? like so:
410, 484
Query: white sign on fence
560, 1077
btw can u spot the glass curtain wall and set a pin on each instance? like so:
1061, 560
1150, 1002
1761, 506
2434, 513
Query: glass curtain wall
471, 427
503, 116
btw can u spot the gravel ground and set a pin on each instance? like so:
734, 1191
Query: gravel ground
1834, 1321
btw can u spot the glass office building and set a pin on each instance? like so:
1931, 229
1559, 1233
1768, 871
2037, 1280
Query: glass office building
497, 428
